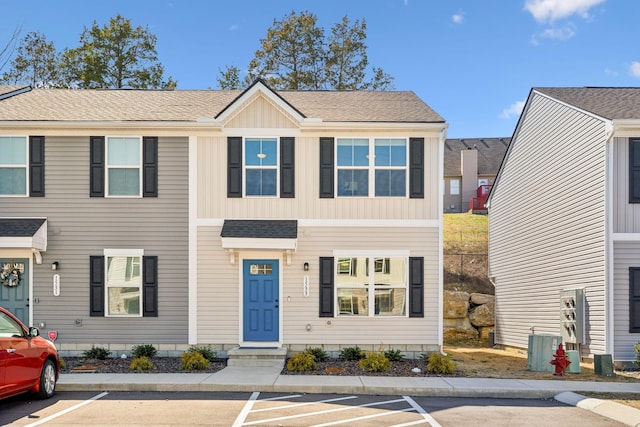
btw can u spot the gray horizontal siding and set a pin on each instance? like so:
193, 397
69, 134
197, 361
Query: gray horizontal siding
626, 254
626, 216
546, 224
80, 226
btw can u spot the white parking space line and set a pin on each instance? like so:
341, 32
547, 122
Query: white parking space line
367, 417
291, 396
324, 412
66, 411
421, 411
295, 405
247, 408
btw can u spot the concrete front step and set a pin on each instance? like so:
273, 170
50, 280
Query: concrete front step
252, 357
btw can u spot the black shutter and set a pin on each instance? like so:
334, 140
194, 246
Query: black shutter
96, 286
634, 299
326, 286
150, 166
634, 170
326, 168
234, 166
96, 166
287, 167
416, 168
36, 166
416, 287
150, 286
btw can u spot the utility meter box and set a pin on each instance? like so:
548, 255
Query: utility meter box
540, 352
572, 315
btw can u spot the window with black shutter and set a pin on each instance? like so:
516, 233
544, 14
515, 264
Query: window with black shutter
416, 287
327, 163
634, 299
416, 168
36, 166
634, 170
326, 286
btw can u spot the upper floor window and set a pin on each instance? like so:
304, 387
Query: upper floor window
454, 187
261, 166
371, 167
124, 166
13, 166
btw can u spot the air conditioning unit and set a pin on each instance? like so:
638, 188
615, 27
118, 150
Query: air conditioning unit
540, 352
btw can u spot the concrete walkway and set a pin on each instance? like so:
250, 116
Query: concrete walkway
267, 379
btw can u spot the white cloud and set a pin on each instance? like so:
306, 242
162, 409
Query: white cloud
552, 10
514, 110
458, 18
234, 27
563, 33
634, 69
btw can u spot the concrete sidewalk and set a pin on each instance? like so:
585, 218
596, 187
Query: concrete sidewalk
266, 379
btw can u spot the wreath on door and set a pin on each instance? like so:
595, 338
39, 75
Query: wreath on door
11, 275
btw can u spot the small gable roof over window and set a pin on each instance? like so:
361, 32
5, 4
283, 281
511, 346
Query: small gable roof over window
23, 233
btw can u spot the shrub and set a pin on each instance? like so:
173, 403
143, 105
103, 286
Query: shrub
63, 363
205, 350
99, 353
440, 364
351, 353
318, 354
301, 362
144, 350
193, 361
637, 349
394, 355
141, 363
375, 362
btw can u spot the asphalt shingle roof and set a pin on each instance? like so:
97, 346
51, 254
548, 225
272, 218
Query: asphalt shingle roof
490, 154
608, 102
191, 105
20, 227
267, 229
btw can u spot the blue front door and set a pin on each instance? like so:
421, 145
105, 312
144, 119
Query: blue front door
261, 300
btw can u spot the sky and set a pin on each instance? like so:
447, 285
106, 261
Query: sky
473, 61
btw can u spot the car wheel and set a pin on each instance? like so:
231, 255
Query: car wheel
47, 380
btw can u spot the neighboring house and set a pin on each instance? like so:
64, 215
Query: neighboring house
564, 222
273, 219
468, 164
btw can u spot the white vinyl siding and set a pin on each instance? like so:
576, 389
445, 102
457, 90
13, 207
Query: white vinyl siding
626, 216
547, 223
158, 225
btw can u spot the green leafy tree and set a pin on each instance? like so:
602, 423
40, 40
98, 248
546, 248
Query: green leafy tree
296, 55
36, 63
292, 54
115, 56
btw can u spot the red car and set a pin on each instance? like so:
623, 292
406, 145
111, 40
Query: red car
28, 362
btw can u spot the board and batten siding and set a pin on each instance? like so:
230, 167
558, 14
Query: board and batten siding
547, 224
212, 187
80, 226
219, 290
626, 216
626, 254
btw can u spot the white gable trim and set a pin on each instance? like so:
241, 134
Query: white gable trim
258, 88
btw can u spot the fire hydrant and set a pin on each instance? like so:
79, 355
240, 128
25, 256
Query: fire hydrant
560, 361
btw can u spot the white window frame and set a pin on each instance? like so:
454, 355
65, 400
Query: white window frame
110, 253
129, 166
457, 187
246, 167
372, 168
371, 255
24, 166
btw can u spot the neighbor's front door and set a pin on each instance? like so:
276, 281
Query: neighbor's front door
261, 300
16, 298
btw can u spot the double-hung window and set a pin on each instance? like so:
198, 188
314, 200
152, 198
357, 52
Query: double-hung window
124, 166
124, 283
371, 166
14, 163
371, 286
261, 166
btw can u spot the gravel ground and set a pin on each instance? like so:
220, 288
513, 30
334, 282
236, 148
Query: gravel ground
172, 365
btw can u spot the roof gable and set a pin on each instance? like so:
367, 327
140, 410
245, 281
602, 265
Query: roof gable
613, 103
